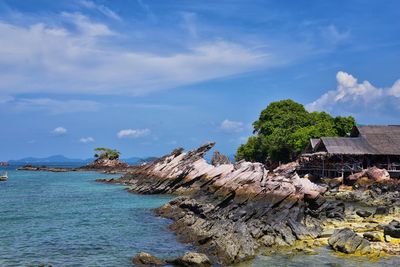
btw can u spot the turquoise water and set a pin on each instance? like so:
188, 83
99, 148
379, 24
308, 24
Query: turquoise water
67, 219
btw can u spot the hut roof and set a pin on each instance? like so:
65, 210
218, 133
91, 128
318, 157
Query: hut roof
314, 142
347, 146
366, 140
385, 139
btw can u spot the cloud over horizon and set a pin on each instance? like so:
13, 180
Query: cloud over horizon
358, 99
133, 133
86, 140
232, 126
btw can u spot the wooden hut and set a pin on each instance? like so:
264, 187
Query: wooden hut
367, 146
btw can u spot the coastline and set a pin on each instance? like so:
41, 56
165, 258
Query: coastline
234, 212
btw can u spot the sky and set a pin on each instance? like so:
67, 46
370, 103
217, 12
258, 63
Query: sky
146, 76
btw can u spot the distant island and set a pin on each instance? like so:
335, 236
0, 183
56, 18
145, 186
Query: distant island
57, 159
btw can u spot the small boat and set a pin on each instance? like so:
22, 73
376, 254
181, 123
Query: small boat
4, 177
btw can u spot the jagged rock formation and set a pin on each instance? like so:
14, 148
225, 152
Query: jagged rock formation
219, 159
230, 211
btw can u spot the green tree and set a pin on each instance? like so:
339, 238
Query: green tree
106, 153
344, 125
284, 129
253, 150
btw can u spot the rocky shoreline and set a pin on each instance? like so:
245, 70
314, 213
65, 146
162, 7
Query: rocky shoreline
232, 212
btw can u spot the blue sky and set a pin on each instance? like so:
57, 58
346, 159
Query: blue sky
147, 76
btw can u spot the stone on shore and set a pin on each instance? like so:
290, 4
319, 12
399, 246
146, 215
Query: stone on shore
377, 174
374, 236
146, 259
347, 241
363, 213
190, 259
392, 229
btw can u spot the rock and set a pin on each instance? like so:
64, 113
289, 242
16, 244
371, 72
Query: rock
382, 210
307, 251
192, 259
351, 179
287, 168
347, 241
219, 159
377, 174
392, 229
326, 233
373, 236
146, 259
363, 213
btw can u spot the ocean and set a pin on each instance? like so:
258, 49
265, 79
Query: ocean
67, 219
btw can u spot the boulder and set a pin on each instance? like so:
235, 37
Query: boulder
392, 229
192, 259
146, 259
382, 210
347, 241
219, 159
351, 179
363, 213
377, 174
373, 236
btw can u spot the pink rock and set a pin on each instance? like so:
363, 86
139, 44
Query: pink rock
377, 174
356, 176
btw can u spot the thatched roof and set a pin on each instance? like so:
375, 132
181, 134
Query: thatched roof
366, 140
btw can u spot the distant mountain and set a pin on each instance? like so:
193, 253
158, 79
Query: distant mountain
51, 159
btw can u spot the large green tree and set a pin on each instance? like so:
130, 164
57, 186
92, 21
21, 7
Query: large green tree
284, 129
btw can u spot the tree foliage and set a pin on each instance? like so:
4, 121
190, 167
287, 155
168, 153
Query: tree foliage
284, 129
106, 153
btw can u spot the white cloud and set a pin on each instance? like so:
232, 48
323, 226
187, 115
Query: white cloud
133, 133
55, 106
232, 126
59, 131
88, 59
352, 97
86, 26
395, 90
101, 8
86, 140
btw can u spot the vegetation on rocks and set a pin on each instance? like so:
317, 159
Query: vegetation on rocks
106, 153
283, 130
